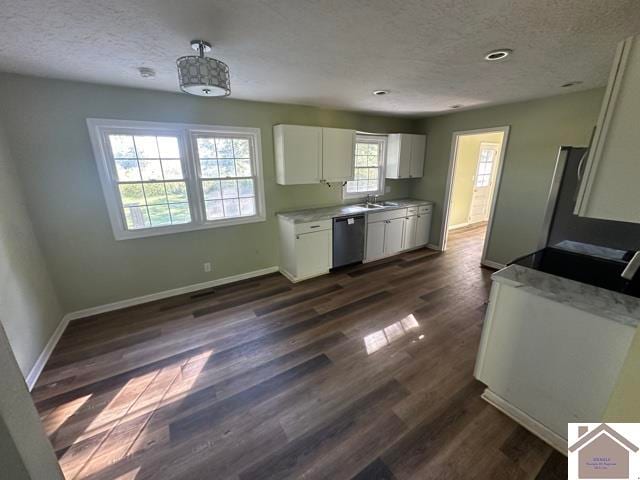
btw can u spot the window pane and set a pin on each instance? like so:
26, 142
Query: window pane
362, 185
159, 215
241, 148
136, 217
214, 209
172, 169
484, 168
127, 170
373, 186
176, 192
209, 168
168, 147
229, 189
243, 167
224, 146
361, 160
147, 147
206, 148
150, 169
155, 193
122, 146
247, 206
352, 187
373, 173
211, 190
361, 174
245, 188
362, 149
372, 160
231, 208
131, 194
227, 167
180, 213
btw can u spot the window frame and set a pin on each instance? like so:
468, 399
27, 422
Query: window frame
99, 129
382, 140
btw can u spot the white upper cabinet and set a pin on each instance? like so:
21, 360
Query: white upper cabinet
610, 187
405, 155
338, 150
313, 154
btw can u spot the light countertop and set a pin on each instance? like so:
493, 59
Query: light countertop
616, 306
327, 213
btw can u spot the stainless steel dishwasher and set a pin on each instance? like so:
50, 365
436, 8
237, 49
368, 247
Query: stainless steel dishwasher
348, 240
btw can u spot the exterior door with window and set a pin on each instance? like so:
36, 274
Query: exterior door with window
483, 183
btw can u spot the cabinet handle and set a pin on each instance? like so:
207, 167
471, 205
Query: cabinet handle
314, 226
297, 237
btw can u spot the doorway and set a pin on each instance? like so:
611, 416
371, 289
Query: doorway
473, 182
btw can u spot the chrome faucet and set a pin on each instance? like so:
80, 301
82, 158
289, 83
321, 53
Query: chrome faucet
632, 267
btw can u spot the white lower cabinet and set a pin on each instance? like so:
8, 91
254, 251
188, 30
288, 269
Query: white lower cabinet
409, 239
392, 232
423, 225
375, 240
305, 249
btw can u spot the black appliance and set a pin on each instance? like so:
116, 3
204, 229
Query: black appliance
587, 250
348, 240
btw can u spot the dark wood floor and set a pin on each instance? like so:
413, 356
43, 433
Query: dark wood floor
362, 374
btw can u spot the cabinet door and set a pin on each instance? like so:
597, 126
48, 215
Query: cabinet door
409, 237
298, 152
404, 168
393, 236
610, 188
338, 146
418, 144
313, 253
423, 229
375, 240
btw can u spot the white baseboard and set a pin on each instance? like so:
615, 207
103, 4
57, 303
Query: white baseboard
35, 372
492, 264
458, 225
433, 246
531, 424
88, 312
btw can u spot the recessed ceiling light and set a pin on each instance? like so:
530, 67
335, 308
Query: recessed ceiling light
381, 92
499, 54
146, 72
455, 106
571, 84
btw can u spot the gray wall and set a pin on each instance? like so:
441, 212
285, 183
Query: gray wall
29, 308
25, 451
538, 129
45, 121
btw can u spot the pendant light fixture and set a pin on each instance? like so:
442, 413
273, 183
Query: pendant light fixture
203, 76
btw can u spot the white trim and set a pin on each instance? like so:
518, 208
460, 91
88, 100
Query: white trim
530, 423
87, 312
186, 133
492, 264
35, 372
449, 185
433, 246
382, 141
42, 360
459, 225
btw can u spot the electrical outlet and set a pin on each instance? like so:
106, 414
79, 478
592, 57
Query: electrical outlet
207, 266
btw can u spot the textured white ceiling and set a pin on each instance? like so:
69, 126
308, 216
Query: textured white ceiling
329, 53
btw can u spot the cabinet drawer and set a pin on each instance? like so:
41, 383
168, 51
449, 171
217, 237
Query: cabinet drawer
388, 215
312, 226
425, 208
412, 210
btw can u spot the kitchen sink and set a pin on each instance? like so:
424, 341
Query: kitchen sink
389, 204
369, 205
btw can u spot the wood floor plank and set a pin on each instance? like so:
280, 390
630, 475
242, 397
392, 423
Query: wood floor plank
364, 373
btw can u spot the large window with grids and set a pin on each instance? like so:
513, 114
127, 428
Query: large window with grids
369, 167
161, 178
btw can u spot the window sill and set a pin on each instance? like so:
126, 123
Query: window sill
187, 227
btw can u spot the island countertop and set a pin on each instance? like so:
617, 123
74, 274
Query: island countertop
327, 213
616, 306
